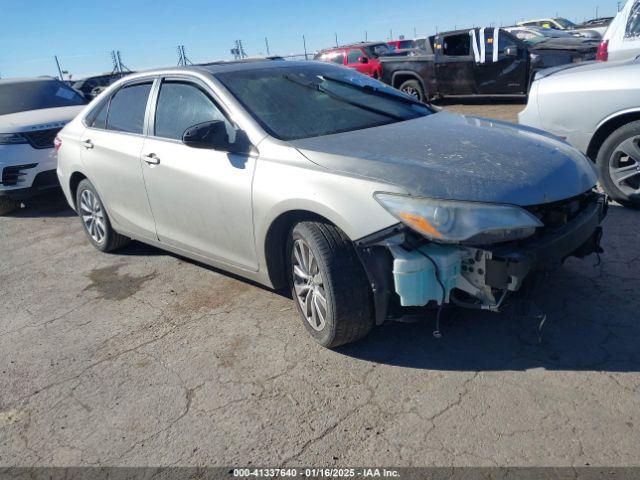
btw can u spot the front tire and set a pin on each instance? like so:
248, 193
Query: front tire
619, 165
414, 89
95, 221
328, 284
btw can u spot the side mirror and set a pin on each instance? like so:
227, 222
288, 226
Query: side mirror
511, 51
363, 60
213, 135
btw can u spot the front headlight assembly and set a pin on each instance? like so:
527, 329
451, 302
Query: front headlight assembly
12, 139
448, 221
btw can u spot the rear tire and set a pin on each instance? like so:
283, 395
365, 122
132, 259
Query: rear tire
414, 89
95, 221
325, 274
619, 165
8, 205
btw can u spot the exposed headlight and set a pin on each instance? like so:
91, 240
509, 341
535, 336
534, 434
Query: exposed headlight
11, 138
447, 221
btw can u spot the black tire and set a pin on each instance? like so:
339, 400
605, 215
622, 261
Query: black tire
608, 154
111, 240
349, 304
413, 88
8, 205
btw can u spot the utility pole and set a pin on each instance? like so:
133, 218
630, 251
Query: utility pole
390, 34
304, 45
597, 8
336, 33
415, 35
183, 61
365, 36
59, 69
266, 42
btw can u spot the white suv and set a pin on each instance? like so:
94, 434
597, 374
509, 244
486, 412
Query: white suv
32, 112
622, 40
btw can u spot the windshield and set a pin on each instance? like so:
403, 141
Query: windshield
565, 23
311, 101
36, 95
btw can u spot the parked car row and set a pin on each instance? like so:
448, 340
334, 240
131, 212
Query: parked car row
366, 202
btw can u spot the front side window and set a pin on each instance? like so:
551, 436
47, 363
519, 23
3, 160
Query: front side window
37, 95
633, 24
301, 102
180, 106
354, 56
127, 109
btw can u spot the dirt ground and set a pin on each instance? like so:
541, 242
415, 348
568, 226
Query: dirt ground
143, 358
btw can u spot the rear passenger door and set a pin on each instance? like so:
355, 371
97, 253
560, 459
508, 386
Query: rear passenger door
200, 198
455, 64
110, 150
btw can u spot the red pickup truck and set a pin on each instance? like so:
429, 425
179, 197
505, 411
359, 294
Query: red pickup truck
363, 57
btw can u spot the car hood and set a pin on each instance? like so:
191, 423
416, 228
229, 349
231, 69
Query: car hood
38, 119
454, 157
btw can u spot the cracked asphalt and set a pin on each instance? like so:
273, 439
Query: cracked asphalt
143, 358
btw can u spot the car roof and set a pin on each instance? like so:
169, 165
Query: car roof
6, 81
352, 45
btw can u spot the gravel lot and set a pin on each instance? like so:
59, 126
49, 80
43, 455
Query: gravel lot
144, 358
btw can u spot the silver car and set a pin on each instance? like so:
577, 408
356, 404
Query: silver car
365, 203
596, 108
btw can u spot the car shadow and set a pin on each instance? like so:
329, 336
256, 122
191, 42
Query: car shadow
444, 102
51, 204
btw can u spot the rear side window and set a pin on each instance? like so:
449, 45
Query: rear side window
127, 109
180, 106
633, 24
457, 45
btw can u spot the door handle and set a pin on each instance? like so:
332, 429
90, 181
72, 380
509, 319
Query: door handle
88, 144
152, 159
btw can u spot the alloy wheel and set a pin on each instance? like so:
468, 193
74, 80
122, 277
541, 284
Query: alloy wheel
624, 166
412, 91
92, 216
308, 285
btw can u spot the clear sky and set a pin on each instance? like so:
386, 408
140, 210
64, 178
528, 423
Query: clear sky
83, 33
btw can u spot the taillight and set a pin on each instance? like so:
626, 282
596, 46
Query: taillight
603, 51
57, 143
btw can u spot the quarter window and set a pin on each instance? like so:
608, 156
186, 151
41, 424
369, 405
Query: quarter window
127, 109
99, 120
180, 106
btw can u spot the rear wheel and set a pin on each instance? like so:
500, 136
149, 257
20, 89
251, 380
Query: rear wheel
95, 220
619, 165
414, 89
328, 284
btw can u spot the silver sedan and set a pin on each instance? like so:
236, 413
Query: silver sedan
366, 204
596, 108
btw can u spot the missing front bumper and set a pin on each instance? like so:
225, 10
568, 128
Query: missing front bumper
406, 272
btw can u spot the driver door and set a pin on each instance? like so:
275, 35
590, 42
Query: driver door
200, 197
359, 61
455, 64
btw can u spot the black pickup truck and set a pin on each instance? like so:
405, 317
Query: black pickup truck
480, 61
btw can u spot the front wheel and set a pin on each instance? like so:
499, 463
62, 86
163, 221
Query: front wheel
328, 284
619, 165
414, 89
95, 220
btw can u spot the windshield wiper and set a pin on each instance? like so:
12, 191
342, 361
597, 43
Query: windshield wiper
376, 91
326, 91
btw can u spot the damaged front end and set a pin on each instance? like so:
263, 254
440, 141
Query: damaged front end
437, 257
